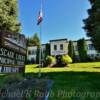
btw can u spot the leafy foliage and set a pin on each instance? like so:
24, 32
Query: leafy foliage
29, 41
9, 16
34, 41
92, 23
71, 52
47, 51
50, 60
66, 59
82, 49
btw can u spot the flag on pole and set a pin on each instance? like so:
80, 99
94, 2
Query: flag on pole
40, 17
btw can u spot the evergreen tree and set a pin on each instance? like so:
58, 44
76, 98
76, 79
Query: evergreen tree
29, 41
37, 55
36, 40
9, 16
47, 52
71, 52
82, 49
92, 23
70, 49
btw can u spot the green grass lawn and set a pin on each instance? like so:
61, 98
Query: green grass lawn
87, 67
80, 81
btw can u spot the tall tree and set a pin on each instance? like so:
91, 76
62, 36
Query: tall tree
82, 49
29, 41
47, 51
9, 16
71, 52
70, 49
36, 40
92, 23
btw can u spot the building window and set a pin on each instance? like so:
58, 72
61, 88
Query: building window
90, 47
55, 47
61, 46
29, 52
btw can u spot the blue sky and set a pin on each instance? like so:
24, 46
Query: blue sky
62, 18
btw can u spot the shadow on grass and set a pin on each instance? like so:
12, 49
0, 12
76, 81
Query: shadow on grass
66, 75
96, 67
73, 85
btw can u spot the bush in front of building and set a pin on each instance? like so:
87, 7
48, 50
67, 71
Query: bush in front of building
66, 59
50, 61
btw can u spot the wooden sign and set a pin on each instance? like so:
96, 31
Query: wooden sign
12, 52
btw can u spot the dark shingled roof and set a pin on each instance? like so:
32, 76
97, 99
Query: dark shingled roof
59, 40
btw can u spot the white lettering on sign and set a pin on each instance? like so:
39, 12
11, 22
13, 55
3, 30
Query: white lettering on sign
58, 52
8, 57
6, 53
6, 61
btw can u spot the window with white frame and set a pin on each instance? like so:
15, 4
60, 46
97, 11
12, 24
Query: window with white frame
29, 52
55, 47
61, 46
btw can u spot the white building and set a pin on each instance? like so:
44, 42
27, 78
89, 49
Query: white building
60, 47
90, 49
31, 54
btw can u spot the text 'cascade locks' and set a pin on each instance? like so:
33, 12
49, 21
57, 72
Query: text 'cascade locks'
11, 54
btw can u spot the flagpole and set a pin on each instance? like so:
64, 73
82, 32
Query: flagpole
40, 51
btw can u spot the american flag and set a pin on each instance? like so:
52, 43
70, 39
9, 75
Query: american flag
40, 17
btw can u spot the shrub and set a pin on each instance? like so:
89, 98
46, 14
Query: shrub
66, 59
50, 61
